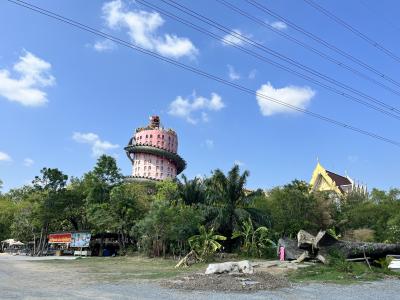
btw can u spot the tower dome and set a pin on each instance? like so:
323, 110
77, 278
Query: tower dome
153, 152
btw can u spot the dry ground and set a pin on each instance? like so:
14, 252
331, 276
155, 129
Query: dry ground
138, 278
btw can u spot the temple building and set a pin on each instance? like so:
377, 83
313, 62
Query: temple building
153, 152
324, 180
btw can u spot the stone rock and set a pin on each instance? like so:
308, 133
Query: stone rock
243, 266
292, 252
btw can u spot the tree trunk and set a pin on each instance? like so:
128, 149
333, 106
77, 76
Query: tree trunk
40, 242
360, 249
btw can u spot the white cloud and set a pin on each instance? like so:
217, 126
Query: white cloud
233, 75
34, 74
104, 46
142, 28
252, 74
209, 144
279, 25
99, 147
293, 95
4, 157
185, 107
28, 162
235, 37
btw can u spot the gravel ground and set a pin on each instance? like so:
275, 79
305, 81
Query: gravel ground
227, 282
20, 279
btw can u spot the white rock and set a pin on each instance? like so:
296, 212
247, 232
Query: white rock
243, 266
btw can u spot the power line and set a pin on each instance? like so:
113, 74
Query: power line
321, 41
352, 29
249, 41
197, 71
304, 45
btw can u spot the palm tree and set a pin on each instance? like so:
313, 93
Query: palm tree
229, 201
192, 191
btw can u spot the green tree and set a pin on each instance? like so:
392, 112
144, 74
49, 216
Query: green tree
379, 212
49, 188
167, 190
167, 227
107, 171
192, 191
7, 209
228, 201
102, 179
292, 207
128, 204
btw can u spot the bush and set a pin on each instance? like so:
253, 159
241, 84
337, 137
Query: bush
339, 262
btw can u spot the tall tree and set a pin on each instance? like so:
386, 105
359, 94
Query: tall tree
50, 187
229, 201
7, 208
292, 207
102, 179
192, 191
128, 203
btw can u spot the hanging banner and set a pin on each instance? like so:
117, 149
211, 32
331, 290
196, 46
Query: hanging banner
60, 238
80, 239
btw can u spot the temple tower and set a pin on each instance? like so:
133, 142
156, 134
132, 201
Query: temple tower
153, 152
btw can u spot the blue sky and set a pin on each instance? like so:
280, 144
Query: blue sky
67, 96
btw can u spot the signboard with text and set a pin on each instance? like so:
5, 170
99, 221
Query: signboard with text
60, 238
80, 239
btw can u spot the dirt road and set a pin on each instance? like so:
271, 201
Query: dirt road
20, 279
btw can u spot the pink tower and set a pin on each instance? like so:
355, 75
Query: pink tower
153, 152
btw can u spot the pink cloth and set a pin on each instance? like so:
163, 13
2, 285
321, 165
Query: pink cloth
281, 253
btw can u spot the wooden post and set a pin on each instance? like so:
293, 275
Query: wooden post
366, 259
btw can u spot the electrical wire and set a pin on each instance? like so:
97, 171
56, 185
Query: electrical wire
352, 29
321, 41
393, 111
196, 70
333, 60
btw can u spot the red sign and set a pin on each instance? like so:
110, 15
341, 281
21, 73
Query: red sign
60, 238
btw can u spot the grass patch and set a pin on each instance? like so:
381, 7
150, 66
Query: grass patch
352, 273
121, 268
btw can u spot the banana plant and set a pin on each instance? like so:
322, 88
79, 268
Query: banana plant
254, 241
206, 242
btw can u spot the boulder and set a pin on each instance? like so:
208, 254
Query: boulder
292, 252
243, 266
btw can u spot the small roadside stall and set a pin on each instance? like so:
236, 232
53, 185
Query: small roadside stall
105, 244
69, 243
12, 246
80, 242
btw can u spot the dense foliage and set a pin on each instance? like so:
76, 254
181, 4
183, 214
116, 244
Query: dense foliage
174, 216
